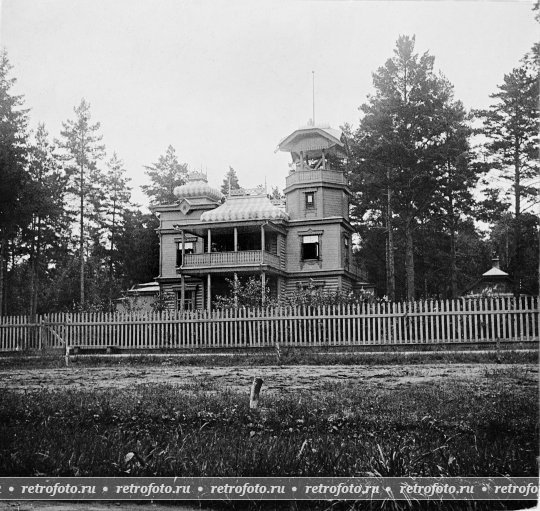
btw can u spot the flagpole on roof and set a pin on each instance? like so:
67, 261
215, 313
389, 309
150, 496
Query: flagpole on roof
313, 86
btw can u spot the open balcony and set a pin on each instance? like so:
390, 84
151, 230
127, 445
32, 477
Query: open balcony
245, 259
313, 176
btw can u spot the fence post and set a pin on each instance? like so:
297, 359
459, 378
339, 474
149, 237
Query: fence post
40, 334
255, 389
66, 355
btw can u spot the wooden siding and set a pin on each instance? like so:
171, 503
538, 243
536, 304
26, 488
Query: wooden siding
331, 284
330, 248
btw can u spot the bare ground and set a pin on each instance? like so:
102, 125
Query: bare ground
276, 379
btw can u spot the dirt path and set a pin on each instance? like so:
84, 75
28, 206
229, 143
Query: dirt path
276, 379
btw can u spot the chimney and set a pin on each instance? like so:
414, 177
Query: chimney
495, 262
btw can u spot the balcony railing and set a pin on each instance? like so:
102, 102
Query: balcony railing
306, 176
230, 259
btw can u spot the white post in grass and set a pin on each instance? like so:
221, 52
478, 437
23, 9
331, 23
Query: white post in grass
66, 355
255, 389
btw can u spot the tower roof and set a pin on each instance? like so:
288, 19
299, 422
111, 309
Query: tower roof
311, 140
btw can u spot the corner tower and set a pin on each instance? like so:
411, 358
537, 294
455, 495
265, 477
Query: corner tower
319, 240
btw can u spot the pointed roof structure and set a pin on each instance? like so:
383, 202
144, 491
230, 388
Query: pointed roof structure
494, 281
312, 140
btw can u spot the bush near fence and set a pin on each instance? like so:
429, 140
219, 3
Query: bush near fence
379, 323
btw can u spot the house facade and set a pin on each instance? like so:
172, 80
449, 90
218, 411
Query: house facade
305, 240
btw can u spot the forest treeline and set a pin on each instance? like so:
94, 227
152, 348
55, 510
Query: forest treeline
437, 191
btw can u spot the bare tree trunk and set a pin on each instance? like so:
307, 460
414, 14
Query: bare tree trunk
453, 263
453, 257
409, 259
2, 277
81, 248
390, 268
517, 226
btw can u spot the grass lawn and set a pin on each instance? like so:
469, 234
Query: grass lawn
450, 427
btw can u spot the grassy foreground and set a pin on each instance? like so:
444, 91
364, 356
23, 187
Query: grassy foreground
448, 429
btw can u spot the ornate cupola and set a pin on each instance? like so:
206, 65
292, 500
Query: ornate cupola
197, 187
311, 146
197, 194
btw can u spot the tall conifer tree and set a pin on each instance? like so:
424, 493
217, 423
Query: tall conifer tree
165, 175
410, 132
81, 142
13, 157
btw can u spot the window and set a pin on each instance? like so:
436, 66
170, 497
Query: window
310, 247
189, 300
310, 200
189, 249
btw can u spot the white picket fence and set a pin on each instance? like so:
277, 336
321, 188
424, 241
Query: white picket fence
420, 322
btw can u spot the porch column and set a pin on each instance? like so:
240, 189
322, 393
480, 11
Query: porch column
302, 163
235, 289
262, 240
209, 290
182, 278
182, 293
209, 241
183, 247
235, 239
263, 287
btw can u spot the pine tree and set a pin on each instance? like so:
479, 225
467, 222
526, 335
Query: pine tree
138, 248
230, 182
47, 233
165, 175
13, 156
81, 142
402, 150
511, 126
115, 207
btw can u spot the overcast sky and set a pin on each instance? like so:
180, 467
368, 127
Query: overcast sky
224, 81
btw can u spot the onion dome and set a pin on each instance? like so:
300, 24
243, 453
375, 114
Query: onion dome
197, 187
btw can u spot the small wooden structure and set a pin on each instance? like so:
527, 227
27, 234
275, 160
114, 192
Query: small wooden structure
494, 282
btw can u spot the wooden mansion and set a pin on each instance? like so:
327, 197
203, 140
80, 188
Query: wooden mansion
303, 241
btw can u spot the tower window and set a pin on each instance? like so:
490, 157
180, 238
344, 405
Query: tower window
310, 200
310, 247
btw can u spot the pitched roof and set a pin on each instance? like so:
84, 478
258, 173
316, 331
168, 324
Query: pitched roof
147, 287
495, 272
245, 208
